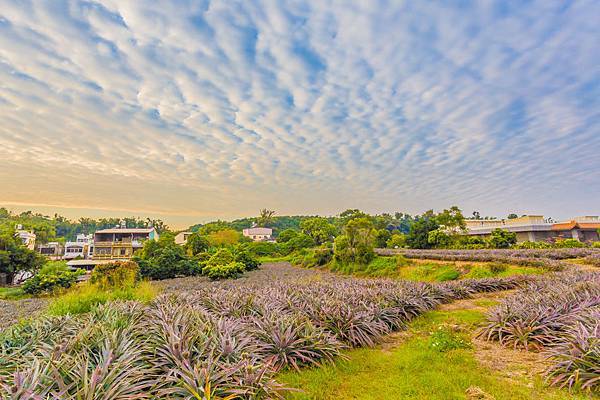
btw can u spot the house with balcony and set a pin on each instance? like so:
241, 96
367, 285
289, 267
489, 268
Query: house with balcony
120, 243
81, 248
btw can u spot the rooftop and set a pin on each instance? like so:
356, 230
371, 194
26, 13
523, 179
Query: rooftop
126, 230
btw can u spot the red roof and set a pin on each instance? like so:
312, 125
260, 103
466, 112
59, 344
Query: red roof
567, 226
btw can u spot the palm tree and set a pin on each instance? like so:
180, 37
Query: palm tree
265, 218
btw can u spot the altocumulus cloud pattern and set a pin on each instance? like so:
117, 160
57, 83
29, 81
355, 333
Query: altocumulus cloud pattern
225, 106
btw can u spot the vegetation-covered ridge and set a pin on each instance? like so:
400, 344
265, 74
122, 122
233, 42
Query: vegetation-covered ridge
228, 339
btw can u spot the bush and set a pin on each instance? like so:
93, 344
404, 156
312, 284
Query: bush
532, 245
116, 275
197, 244
568, 243
262, 249
166, 260
244, 257
221, 257
497, 268
228, 271
286, 235
360, 253
298, 242
51, 277
502, 239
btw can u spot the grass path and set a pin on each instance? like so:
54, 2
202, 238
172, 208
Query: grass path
407, 366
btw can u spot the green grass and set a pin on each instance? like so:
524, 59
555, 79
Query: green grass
84, 298
273, 259
12, 293
483, 271
402, 268
415, 370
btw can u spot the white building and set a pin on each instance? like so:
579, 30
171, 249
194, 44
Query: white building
80, 248
182, 237
52, 250
28, 238
258, 234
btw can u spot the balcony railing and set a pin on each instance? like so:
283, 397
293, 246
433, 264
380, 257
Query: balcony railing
127, 243
110, 256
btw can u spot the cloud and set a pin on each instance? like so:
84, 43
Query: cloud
300, 105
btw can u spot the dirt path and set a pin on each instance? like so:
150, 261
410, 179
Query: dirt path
514, 364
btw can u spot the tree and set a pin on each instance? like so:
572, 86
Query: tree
512, 216
439, 238
502, 239
214, 226
197, 243
381, 238
226, 237
298, 242
356, 245
418, 236
265, 219
14, 257
397, 241
286, 235
351, 214
452, 219
318, 229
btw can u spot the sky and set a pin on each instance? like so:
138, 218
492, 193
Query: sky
193, 110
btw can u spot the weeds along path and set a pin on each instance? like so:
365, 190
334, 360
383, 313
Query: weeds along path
438, 357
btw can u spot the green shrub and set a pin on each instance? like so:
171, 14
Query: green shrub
262, 249
116, 275
359, 252
323, 255
228, 271
497, 268
596, 245
250, 263
568, 243
223, 256
298, 242
286, 235
532, 245
502, 239
51, 277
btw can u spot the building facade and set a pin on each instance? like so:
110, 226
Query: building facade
120, 243
258, 234
27, 238
82, 247
182, 237
52, 250
536, 228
